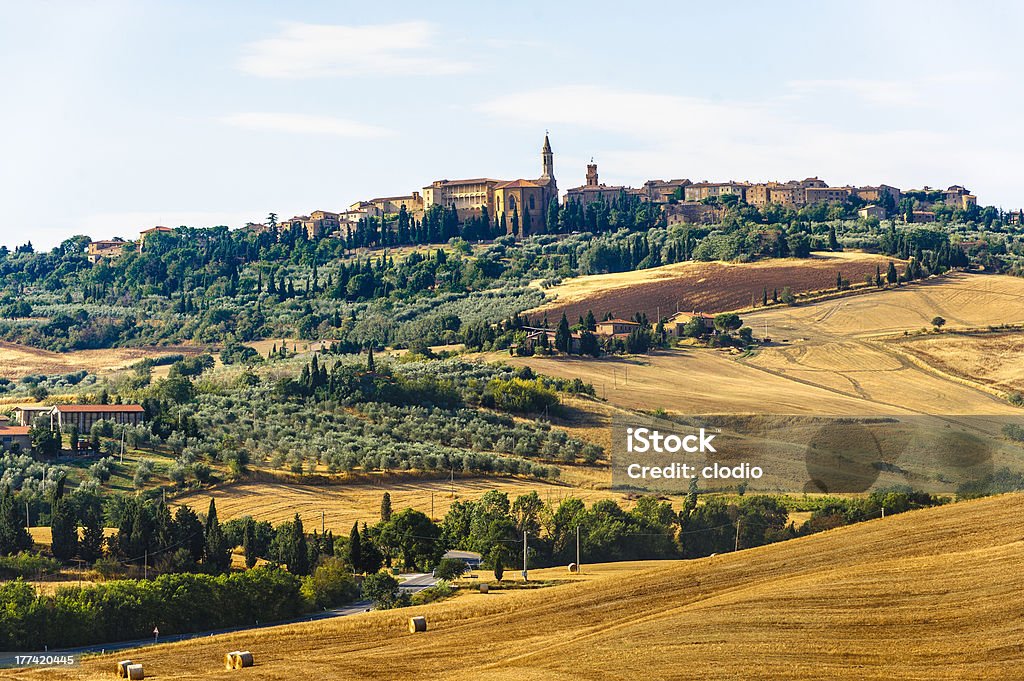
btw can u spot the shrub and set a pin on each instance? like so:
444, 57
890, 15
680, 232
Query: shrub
382, 589
330, 585
450, 568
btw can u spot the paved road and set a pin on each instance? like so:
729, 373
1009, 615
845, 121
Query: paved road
416, 581
410, 583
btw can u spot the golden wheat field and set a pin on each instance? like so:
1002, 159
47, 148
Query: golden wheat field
346, 503
828, 357
21, 360
993, 359
931, 594
850, 345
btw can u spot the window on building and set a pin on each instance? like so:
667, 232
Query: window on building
531, 203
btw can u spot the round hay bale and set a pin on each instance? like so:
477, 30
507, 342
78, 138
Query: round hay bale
229, 659
244, 659
417, 624
134, 672
122, 669
574, 568
483, 588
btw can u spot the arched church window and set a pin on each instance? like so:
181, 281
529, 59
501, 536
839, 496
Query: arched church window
531, 203
511, 203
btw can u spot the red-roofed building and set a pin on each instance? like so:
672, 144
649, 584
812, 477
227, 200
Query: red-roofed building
83, 416
14, 437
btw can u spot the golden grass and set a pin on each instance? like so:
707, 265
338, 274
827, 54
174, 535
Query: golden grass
346, 503
992, 359
930, 594
20, 360
828, 357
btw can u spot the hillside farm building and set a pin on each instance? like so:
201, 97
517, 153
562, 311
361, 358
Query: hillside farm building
83, 416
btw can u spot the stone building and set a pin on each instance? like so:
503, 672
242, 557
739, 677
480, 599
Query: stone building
528, 199
595, 191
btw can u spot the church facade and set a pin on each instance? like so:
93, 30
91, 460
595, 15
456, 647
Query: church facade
521, 205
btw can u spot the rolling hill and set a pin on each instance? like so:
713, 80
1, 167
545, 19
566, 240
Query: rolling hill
923, 595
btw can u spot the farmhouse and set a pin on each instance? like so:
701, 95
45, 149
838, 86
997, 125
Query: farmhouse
107, 248
83, 416
871, 211
14, 435
539, 337
677, 323
613, 327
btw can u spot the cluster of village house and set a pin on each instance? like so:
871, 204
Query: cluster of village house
15, 428
537, 336
682, 201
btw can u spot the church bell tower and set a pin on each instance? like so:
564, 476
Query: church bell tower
547, 160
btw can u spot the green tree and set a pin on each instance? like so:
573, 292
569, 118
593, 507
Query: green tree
249, 544
292, 549
414, 537
45, 440
355, 549
216, 552
891, 277
382, 589
385, 507
563, 335
63, 524
938, 322
498, 561
13, 535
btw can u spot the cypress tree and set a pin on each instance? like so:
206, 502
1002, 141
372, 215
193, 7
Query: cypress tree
385, 507
216, 552
355, 549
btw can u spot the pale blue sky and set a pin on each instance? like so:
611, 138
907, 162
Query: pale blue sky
116, 116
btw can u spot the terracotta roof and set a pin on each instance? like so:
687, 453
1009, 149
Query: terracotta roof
102, 408
516, 183
13, 430
476, 180
618, 321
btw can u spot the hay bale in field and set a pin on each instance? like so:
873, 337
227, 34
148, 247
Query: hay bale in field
417, 624
229, 659
122, 669
574, 568
483, 588
244, 659
134, 672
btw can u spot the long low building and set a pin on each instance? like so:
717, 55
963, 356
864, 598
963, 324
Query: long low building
83, 416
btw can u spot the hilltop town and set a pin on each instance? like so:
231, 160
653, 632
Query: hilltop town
524, 207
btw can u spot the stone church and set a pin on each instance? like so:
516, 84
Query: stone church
524, 203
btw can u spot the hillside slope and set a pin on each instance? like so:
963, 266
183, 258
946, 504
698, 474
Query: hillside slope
924, 595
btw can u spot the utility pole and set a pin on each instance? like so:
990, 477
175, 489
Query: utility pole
28, 524
453, 480
525, 577
322, 523
579, 566
146, 568
122, 445
431, 505
883, 511
737, 547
